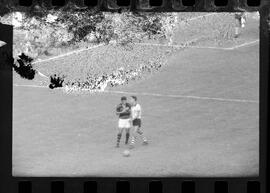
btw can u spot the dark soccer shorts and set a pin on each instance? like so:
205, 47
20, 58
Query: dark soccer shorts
137, 122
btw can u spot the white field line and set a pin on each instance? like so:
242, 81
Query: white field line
202, 47
43, 75
198, 17
209, 47
159, 95
169, 45
69, 53
30, 85
185, 96
183, 46
244, 44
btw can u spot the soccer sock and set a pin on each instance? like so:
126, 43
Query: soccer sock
133, 140
144, 138
127, 137
118, 137
142, 135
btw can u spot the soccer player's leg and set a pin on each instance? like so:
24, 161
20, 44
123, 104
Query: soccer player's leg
243, 21
127, 135
133, 136
140, 132
138, 124
238, 22
237, 28
119, 133
127, 127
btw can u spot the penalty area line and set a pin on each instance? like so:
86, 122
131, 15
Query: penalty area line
244, 44
201, 47
229, 48
30, 85
69, 53
158, 95
183, 46
41, 74
185, 96
198, 17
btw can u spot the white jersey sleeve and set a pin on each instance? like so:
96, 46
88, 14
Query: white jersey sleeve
136, 111
139, 112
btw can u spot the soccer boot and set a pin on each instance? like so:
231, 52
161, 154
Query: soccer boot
145, 142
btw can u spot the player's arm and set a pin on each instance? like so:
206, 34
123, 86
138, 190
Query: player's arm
139, 114
118, 111
128, 109
140, 111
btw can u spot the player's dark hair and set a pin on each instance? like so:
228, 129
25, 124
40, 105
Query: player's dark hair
123, 98
134, 97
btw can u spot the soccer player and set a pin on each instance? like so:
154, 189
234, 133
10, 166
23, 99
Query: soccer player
123, 110
240, 22
136, 115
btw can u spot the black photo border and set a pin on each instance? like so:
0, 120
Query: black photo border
10, 184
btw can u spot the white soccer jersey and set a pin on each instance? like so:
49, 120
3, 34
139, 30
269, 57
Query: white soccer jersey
136, 111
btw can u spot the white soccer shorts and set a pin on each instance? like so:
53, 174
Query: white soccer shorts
124, 123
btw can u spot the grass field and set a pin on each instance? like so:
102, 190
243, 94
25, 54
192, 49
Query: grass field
200, 113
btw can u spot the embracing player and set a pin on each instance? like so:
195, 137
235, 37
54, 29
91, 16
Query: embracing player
240, 18
123, 110
136, 116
